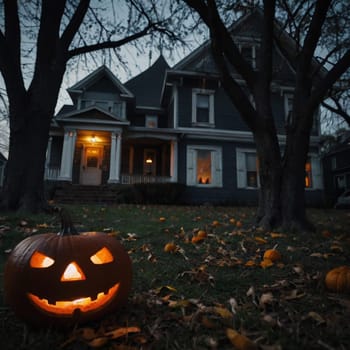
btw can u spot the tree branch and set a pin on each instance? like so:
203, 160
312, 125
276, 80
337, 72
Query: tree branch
313, 35
74, 24
109, 44
338, 110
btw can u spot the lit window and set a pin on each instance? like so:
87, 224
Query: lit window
202, 107
308, 174
204, 166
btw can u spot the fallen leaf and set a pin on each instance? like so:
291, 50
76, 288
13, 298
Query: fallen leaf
250, 263
317, 317
260, 240
277, 235
239, 341
120, 332
98, 342
266, 298
223, 312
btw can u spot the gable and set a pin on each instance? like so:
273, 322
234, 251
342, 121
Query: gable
104, 85
88, 115
246, 33
101, 81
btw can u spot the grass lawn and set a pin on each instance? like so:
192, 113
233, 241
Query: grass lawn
205, 295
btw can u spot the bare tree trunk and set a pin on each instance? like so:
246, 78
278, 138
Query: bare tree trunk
293, 181
24, 182
269, 207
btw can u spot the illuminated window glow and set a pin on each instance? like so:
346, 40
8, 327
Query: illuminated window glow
204, 175
308, 174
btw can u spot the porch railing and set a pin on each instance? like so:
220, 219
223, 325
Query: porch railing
52, 173
145, 179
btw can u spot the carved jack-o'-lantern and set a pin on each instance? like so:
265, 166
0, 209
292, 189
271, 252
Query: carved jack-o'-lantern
67, 277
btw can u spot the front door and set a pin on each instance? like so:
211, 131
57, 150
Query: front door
91, 168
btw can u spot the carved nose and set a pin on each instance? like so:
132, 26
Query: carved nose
73, 272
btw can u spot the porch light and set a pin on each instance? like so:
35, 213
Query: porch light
93, 139
149, 160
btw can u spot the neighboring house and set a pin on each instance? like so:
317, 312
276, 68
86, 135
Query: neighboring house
172, 125
336, 168
3, 162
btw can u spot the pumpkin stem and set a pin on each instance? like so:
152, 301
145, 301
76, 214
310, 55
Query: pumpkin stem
67, 227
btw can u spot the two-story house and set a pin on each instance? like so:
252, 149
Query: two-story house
336, 165
172, 124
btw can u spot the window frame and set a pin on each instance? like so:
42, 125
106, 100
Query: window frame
253, 50
149, 119
211, 117
216, 166
241, 169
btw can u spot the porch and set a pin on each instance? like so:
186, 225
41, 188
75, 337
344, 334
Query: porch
97, 158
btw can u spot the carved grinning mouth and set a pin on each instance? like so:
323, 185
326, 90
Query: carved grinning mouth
86, 304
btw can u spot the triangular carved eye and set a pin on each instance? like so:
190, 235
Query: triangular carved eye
103, 256
41, 261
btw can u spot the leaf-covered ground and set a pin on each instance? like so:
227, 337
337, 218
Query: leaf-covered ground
200, 281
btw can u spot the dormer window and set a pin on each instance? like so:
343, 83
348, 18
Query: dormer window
288, 107
250, 54
202, 107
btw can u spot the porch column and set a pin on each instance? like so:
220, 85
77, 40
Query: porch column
67, 155
114, 169
173, 161
48, 157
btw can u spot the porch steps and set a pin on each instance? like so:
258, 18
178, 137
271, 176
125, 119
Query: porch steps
86, 194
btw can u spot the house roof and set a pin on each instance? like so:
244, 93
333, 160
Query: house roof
204, 49
147, 86
245, 28
95, 76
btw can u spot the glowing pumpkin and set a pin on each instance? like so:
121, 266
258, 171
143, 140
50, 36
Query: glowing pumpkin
67, 277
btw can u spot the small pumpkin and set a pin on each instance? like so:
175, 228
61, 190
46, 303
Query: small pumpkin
170, 247
202, 233
67, 277
338, 279
272, 254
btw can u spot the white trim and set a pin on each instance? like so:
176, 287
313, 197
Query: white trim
176, 107
174, 161
316, 172
216, 165
67, 155
210, 94
241, 168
